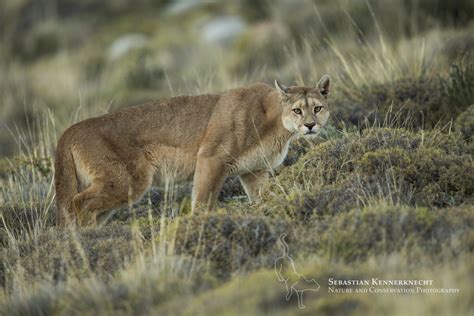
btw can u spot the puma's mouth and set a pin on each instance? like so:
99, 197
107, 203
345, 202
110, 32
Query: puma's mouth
311, 133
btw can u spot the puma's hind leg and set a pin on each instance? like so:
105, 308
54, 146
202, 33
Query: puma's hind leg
111, 190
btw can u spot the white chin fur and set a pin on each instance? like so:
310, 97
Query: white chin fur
290, 126
312, 135
304, 131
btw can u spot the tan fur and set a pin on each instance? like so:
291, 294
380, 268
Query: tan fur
111, 160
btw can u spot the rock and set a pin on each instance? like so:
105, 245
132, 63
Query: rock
223, 29
183, 6
122, 45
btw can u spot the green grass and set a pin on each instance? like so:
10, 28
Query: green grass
386, 190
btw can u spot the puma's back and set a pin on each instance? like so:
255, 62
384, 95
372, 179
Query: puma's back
174, 121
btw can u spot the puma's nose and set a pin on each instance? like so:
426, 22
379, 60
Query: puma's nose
309, 125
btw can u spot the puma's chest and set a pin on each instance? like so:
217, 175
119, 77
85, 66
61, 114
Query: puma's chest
263, 157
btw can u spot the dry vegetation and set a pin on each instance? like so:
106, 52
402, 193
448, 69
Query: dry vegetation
386, 191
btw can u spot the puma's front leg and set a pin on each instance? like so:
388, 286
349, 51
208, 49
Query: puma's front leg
209, 178
253, 182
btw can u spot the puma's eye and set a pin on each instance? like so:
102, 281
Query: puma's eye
297, 111
317, 109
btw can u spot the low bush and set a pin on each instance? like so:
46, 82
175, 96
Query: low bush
420, 103
436, 235
459, 87
229, 242
465, 123
60, 255
408, 102
415, 168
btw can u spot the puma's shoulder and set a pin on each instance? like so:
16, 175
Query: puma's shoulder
261, 86
248, 97
253, 89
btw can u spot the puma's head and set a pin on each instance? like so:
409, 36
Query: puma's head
305, 109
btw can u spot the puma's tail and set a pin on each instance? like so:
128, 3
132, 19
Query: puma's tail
65, 181
284, 245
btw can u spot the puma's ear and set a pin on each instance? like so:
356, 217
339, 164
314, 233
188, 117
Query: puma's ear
324, 85
282, 89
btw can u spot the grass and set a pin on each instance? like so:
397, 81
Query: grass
386, 190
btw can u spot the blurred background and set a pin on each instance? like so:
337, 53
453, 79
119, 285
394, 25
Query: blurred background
74, 59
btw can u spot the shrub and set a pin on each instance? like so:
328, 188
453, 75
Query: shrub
259, 47
448, 13
140, 287
407, 102
459, 87
302, 145
144, 75
228, 242
465, 123
25, 188
382, 230
458, 44
421, 103
59, 255
44, 39
422, 168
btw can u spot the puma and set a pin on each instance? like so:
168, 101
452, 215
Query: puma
105, 162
